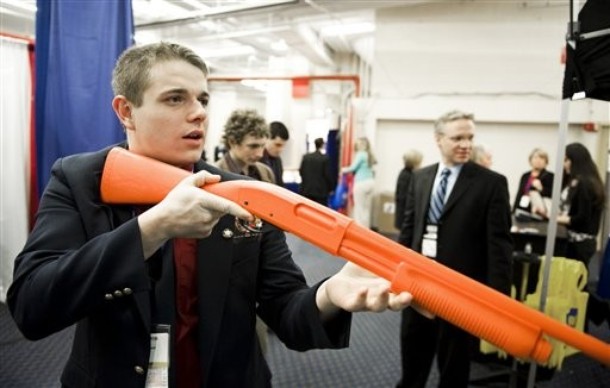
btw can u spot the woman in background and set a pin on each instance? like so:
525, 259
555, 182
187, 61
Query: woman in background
482, 155
582, 202
581, 207
364, 181
412, 161
538, 179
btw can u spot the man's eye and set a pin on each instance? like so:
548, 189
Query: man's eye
175, 99
204, 101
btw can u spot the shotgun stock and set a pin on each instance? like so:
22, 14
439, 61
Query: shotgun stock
485, 313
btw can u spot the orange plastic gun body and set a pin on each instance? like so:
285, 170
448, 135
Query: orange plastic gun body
474, 307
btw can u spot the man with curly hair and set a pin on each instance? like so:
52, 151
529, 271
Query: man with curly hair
245, 136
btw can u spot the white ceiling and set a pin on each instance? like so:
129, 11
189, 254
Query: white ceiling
248, 36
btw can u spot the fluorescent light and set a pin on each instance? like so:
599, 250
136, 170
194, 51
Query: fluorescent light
260, 85
146, 37
156, 10
235, 51
279, 45
348, 29
23, 5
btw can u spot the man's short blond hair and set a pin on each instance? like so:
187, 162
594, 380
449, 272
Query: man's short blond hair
439, 124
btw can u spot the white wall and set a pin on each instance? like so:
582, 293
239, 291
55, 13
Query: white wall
499, 60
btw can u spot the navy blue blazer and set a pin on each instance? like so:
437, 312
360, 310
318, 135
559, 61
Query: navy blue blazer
83, 264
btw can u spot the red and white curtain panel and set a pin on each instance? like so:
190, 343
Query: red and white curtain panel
15, 164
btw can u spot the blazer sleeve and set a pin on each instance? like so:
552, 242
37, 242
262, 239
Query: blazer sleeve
64, 273
407, 227
288, 305
499, 240
584, 215
400, 197
546, 179
519, 193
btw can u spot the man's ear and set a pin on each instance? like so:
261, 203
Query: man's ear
123, 109
437, 138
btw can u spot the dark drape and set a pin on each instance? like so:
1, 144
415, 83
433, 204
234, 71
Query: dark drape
588, 63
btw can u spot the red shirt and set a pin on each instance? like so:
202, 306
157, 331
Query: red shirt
188, 373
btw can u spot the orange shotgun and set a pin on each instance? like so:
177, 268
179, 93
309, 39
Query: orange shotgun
476, 308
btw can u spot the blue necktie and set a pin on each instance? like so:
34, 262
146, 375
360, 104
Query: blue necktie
438, 198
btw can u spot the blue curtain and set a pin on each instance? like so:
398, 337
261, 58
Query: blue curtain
332, 151
77, 44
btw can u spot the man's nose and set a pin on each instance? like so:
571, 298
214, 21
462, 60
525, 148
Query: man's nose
199, 112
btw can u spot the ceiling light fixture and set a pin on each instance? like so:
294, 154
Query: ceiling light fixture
279, 45
235, 51
27, 6
347, 29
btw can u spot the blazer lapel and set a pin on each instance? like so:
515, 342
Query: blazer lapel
422, 203
462, 184
428, 183
213, 273
426, 190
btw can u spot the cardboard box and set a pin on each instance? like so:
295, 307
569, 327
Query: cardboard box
384, 209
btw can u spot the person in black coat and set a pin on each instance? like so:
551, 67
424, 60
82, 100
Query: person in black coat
185, 272
272, 154
412, 161
316, 179
583, 201
582, 204
539, 179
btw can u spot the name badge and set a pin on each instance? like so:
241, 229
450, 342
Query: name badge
158, 364
524, 202
429, 241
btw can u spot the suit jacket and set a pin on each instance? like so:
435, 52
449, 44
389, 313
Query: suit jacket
316, 181
400, 196
275, 164
474, 229
258, 170
83, 264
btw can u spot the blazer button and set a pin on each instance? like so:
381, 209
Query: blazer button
227, 233
108, 297
127, 291
139, 370
118, 293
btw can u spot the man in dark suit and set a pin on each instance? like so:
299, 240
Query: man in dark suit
458, 214
182, 280
316, 181
274, 146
